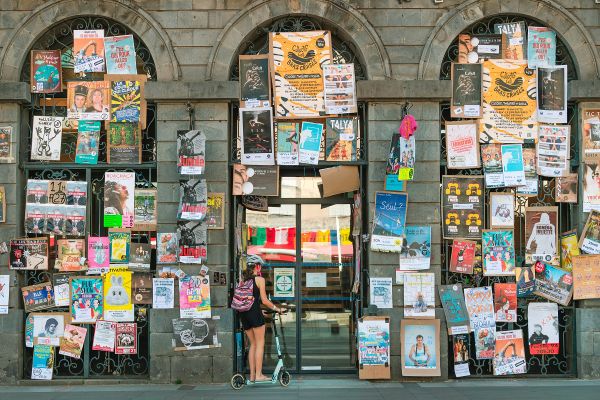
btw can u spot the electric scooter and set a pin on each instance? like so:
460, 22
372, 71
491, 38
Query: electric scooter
279, 374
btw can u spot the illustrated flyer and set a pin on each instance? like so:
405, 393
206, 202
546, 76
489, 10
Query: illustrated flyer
389, 221
194, 297
373, 342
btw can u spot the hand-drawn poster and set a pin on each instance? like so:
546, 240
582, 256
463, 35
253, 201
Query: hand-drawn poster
71, 344
28, 254
119, 246
118, 306
145, 216
480, 307
461, 349
340, 89
408, 154
509, 357
311, 135
163, 293
87, 299
60, 285
462, 207
569, 248
194, 297
140, 256
340, 139
589, 242
455, 309
167, 248
498, 252
502, 210
46, 71
466, 91
381, 292
591, 186
389, 221
505, 302
586, 277
462, 145
288, 136
88, 142
70, 255
492, 165
126, 101
4, 293
120, 54
566, 188
6, 148
192, 242
420, 347
190, 152
373, 342
193, 334
284, 282
553, 150
516, 40
215, 214
462, 258
104, 336
530, 188
552, 94
297, 60
419, 295
513, 167
192, 200
553, 283
541, 47
88, 100
525, 281
591, 133
124, 143
541, 235
126, 338
88, 50
142, 288
255, 85
98, 255
509, 103
119, 188
416, 249
393, 166
46, 138
42, 364
542, 327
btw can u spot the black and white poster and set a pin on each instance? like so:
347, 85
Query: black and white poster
552, 94
46, 138
192, 200
139, 256
466, 91
192, 242
190, 152
194, 333
256, 133
255, 87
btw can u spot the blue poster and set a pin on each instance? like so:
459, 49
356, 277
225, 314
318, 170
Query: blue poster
120, 54
389, 221
416, 251
88, 137
311, 135
541, 47
512, 165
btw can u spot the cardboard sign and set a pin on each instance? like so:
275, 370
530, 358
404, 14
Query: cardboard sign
340, 179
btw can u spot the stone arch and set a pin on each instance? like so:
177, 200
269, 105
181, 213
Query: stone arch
567, 26
52, 12
335, 12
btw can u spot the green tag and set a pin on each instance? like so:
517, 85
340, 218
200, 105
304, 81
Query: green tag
405, 174
113, 220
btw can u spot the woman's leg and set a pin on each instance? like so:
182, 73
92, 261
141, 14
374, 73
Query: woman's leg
251, 353
259, 336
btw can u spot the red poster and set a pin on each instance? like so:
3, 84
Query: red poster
126, 339
505, 302
463, 256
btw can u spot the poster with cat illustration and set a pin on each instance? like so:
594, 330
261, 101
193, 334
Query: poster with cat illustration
46, 138
118, 306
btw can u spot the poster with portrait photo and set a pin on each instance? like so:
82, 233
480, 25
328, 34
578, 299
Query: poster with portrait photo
288, 136
190, 152
46, 138
48, 328
56, 219
530, 188
466, 91
502, 210
256, 133
255, 86
192, 200
591, 186
462, 145
566, 188
88, 100
509, 356
28, 254
119, 190
541, 235
75, 218
88, 50
553, 150
461, 349
192, 242
6, 148
88, 142
340, 89
35, 218
525, 278
590, 123
552, 94
420, 347
542, 328
255, 180
491, 155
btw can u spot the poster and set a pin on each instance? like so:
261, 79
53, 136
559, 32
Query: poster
163, 293
119, 189
88, 141
498, 252
316, 279
407, 153
466, 91
569, 248
88, 100
586, 277
419, 295
509, 104
388, 221
87, 301
541, 235
88, 50
120, 54
29, 331
542, 327
311, 135
141, 288
393, 166
340, 139
124, 142
193, 334
288, 136
505, 302
513, 167
553, 150
167, 248
48, 328
256, 133
462, 145
6, 155
46, 138
215, 214
75, 221
190, 152
509, 356
255, 85
591, 133
491, 155
55, 219
297, 60
461, 350
530, 188
381, 292
71, 345
139, 256
192, 200
462, 207
541, 47
255, 180
145, 215
462, 259
455, 309
192, 242
420, 347
194, 297
566, 188
70, 255
43, 362
126, 338
480, 307
2, 204
28, 254
4, 293
119, 246
104, 336
553, 283
474, 49
284, 282
373, 341
515, 47
502, 210
98, 255
591, 186
46, 71
118, 306
38, 297
340, 89
76, 193
552, 94
416, 248
525, 281
60, 285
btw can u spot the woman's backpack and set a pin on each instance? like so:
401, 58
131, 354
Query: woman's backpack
243, 296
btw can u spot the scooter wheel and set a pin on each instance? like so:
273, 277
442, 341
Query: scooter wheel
238, 381
284, 378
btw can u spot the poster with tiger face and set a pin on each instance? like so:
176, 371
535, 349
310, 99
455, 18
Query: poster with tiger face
509, 102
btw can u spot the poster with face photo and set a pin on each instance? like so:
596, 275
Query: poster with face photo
192, 242
256, 133
525, 278
88, 100
76, 193
420, 344
461, 349
389, 221
38, 297
529, 165
513, 167
255, 180
591, 186
553, 150
552, 94
311, 135
498, 252
462, 145
28, 254
190, 152
119, 189
55, 219
35, 218
542, 327
340, 89
255, 87
88, 50
591, 133
566, 188
46, 138
491, 155
48, 328
466, 91
192, 200
75, 220
139, 256
509, 357
502, 210
419, 295
541, 235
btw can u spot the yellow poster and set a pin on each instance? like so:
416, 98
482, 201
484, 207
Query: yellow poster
117, 295
297, 60
509, 102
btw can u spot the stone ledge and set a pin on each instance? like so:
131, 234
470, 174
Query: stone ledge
584, 90
396, 89
15, 92
184, 91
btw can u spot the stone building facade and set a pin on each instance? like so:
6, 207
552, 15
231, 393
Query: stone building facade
402, 47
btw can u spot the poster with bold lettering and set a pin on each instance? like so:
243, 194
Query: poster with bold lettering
192, 200
509, 357
125, 99
104, 336
591, 185
541, 47
88, 100
480, 307
98, 255
373, 342
389, 221
120, 54
38, 297
42, 364
516, 39
542, 327
462, 259
340, 139
167, 248
70, 255
541, 235
498, 252
194, 297
462, 145
88, 50
462, 206
552, 94
46, 138
126, 338
46, 71
87, 300
28, 253
88, 142
505, 302
190, 152
118, 305
192, 241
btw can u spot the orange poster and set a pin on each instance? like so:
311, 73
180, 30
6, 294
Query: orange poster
297, 60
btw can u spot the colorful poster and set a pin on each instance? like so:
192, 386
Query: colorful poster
541, 47
87, 301
381, 292
525, 281
591, 133
88, 141
566, 188
569, 248
288, 135
498, 252
553, 283
297, 72
142, 288
192, 200
255, 180
492, 165
393, 166
505, 302
125, 99
416, 249
192, 242
553, 150
38, 297
255, 85
542, 326
515, 45
139, 256
485, 343
480, 307
513, 167
193, 334
420, 347
509, 356
509, 103
118, 306
88, 50
215, 214
284, 282
167, 248
373, 341
46, 138
591, 186
530, 188
119, 189
4, 293
60, 284
455, 309
340, 139
388, 221
408, 154
190, 152
28, 254
311, 135
29, 331
126, 338
145, 216
462, 205
43, 362
163, 293
552, 94
71, 345
462, 259
88, 100
98, 255
340, 89
119, 246
541, 235
194, 297
461, 349
466, 91
124, 142
46, 71
120, 54
502, 210
462, 145
6, 151
586, 277
419, 295
48, 328
70, 255
104, 336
